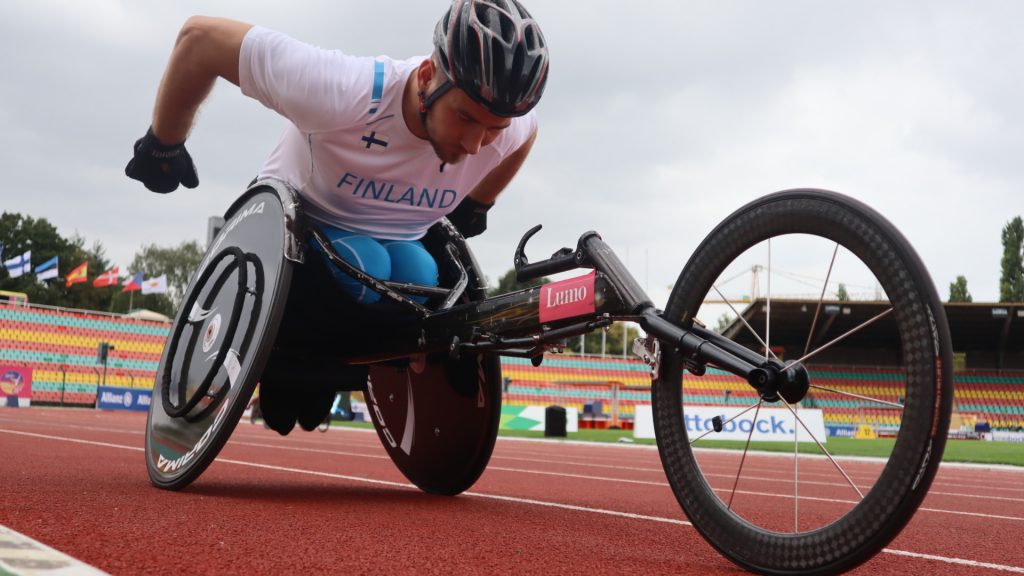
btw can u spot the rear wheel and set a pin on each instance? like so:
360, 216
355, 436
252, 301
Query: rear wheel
798, 508
438, 418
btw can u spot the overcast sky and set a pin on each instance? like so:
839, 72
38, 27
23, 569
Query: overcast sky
659, 119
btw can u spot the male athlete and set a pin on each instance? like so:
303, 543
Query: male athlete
379, 149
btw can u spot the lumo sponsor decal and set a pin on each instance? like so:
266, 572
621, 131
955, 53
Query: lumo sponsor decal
567, 298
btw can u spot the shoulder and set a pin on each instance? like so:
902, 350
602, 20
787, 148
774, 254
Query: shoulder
316, 88
518, 133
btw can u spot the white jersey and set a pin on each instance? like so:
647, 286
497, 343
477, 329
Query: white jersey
348, 150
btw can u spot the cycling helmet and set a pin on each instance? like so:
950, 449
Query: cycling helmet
494, 51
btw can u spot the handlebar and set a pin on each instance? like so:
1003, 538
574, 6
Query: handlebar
590, 252
563, 260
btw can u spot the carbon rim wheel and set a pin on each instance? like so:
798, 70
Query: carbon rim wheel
803, 510
220, 342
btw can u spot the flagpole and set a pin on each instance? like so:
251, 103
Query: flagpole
131, 298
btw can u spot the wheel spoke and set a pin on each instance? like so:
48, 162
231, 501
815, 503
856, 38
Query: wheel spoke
823, 449
742, 319
743, 458
796, 478
768, 312
841, 337
745, 410
817, 311
858, 396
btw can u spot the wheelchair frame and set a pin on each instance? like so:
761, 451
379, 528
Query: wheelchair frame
434, 376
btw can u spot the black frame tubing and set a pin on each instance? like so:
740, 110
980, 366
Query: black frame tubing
509, 324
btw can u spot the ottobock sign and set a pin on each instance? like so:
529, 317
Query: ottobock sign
111, 398
772, 424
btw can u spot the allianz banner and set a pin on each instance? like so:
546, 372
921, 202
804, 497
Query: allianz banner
111, 398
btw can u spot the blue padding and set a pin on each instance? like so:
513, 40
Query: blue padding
398, 260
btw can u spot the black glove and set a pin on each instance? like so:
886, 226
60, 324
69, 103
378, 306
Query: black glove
161, 167
470, 217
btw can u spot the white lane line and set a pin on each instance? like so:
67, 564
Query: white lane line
514, 499
960, 561
304, 449
581, 476
24, 556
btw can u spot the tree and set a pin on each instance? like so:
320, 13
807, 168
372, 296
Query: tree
612, 340
508, 283
19, 234
841, 294
179, 263
1011, 282
958, 290
724, 321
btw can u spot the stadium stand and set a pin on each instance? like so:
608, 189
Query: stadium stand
61, 348
61, 345
603, 383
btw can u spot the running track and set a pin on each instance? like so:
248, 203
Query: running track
76, 481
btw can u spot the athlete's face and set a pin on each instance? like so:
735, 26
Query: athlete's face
457, 126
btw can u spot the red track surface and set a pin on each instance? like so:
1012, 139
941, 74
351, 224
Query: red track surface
317, 503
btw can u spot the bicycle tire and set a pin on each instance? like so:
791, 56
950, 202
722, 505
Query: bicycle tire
753, 539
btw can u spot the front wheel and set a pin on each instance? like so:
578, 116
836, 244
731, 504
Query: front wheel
842, 289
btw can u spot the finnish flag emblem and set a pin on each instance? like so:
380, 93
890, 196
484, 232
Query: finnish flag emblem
374, 140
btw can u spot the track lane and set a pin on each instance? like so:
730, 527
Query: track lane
334, 486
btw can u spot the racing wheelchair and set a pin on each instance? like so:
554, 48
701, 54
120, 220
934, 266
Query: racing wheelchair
262, 307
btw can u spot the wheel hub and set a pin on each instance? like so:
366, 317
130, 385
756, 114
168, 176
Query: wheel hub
777, 380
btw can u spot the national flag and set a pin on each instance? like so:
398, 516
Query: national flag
108, 278
156, 285
47, 270
20, 265
133, 283
79, 274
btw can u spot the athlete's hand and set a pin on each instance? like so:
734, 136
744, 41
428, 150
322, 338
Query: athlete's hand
161, 167
470, 217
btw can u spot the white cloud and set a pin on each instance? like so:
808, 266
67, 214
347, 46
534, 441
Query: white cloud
657, 123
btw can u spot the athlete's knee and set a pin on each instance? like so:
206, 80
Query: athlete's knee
411, 263
364, 253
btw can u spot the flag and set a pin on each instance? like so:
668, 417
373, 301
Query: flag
78, 274
20, 265
108, 278
156, 285
47, 270
133, 283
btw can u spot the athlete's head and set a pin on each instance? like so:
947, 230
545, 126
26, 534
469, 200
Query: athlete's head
494, 54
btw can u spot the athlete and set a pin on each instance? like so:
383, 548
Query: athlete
379, 149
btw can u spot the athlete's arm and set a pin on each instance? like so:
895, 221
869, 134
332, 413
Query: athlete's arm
470, 216
487, 191
206, 49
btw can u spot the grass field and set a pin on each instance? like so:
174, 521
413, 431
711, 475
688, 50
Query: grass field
956, 450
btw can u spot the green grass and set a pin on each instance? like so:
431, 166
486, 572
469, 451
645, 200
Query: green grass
956, 450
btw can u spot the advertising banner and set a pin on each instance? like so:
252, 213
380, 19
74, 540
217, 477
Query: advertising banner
111, 398
532, 418
15, 386
772, 424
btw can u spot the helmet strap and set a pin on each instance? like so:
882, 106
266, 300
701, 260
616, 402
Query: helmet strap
427, 101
